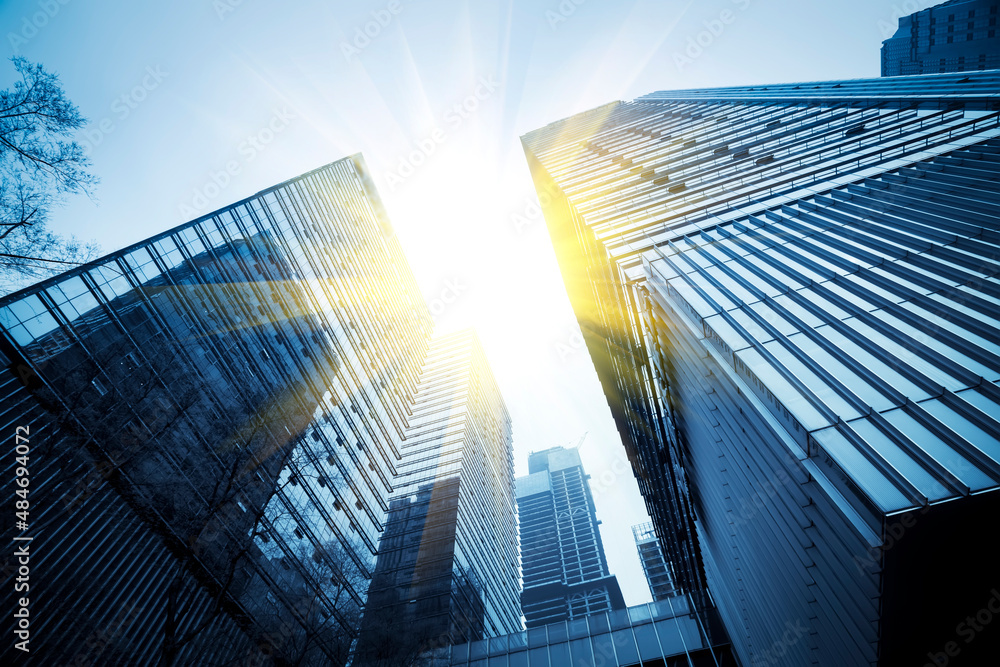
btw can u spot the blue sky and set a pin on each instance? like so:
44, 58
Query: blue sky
195, 104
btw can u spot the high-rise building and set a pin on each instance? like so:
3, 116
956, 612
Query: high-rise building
447, 566
562, 557
654, 563
790, 296
955, 36
214, 418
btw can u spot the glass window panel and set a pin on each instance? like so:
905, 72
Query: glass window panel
639, 613
557, 633
41, 325
625, 646
498, 661
477, 649
604, 650
20, 335
536, 637
580, 650
8, 318
518, 639
27, 308
619, 618
538, 657
691, 632
649, 647
71, 287
459, 654
519, 659
599, 623
578, 628
498, 645
478, 663
559, 654
670, 637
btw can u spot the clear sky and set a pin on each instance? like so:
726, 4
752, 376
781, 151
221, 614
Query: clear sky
436, 96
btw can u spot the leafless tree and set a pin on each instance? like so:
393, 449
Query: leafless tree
39, 166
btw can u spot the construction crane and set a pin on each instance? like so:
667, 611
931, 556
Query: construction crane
580, 441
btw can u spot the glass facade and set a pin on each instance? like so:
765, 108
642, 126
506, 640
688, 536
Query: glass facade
216, 418
955, 36
447, 566
790, 295
562, 558
654, 564
664, 634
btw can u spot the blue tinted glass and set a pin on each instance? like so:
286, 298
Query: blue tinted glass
478, 649
670, 638
649, 647
498, 661
599, 623
619, 618
27, 307
639, 613
519, 659
536, 637
498, 645
691, 632
559, 653
625, 646
604, 651
518, 639
539, 657
459, 654
580, 649
578, 628
557, 633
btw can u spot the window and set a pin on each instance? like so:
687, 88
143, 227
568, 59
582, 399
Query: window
99, 386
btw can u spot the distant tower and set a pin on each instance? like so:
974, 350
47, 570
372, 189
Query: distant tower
562, 558
447, 565
956, 36
654, 564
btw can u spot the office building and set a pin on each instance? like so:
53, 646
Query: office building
664, 634
790, 296
447, 566
654, 563
216, 415
955, 36
562, 558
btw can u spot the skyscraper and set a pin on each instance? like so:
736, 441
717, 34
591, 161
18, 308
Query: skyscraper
955, 36
215, 417
790, 296
447, 565
654, 563
562, 557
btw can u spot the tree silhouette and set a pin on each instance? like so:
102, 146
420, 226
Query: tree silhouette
39, 166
